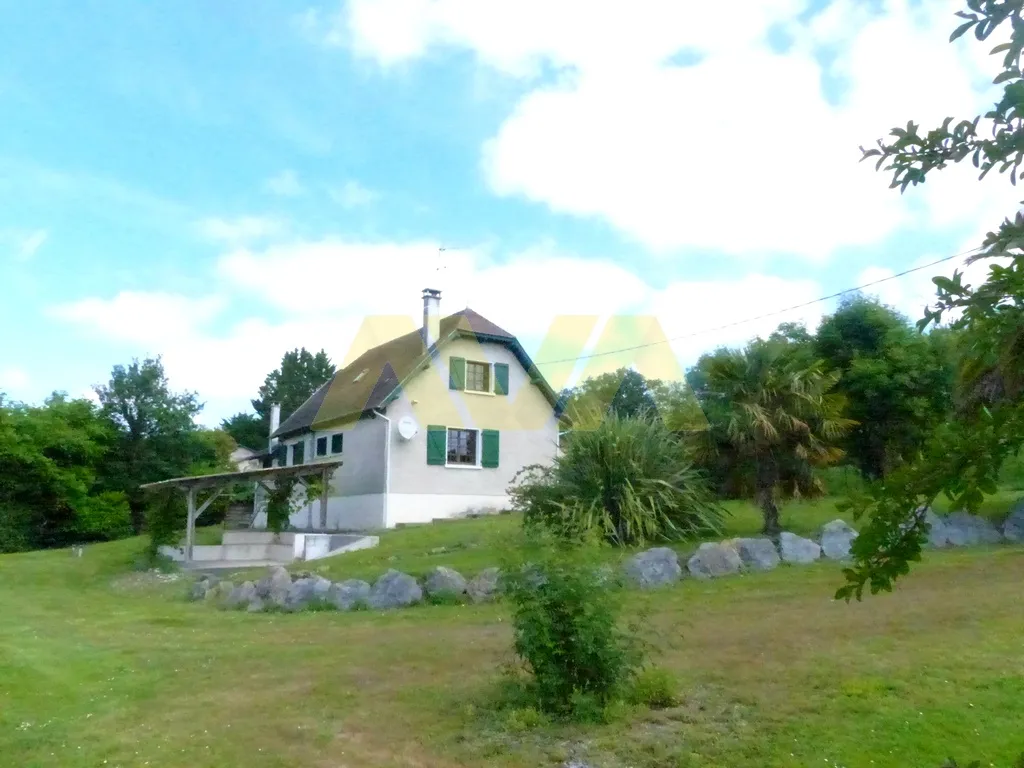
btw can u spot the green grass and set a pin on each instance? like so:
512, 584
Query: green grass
102, 666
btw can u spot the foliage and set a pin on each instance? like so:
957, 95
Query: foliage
629, 480
567, 629
248, 430
989, 318
52, 457
155, 433
771, 422
654, 687
624, 392
286, 496
897, 383
166, 515
300, 374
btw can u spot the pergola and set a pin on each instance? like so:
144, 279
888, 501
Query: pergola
218, 483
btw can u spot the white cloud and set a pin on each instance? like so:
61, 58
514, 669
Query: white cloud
741, 152
352, 194
13, 379
21, 244
284, 184
147, 317
239, 229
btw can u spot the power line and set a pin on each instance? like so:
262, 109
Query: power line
836, 295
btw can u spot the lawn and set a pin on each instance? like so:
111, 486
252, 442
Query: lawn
102, 666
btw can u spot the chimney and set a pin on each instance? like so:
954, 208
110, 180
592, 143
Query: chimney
275, 422
431, 316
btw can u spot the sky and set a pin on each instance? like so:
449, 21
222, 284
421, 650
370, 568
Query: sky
217, 183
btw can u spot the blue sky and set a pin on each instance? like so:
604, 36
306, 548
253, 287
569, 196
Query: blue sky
219, 182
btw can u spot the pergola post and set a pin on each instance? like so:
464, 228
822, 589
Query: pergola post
190, 524
325, 478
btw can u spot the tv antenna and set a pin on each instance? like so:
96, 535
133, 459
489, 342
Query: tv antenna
440, 266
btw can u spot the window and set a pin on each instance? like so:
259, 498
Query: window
360, 375
478, 377
462, 446
336, 443
321, 446
298, 453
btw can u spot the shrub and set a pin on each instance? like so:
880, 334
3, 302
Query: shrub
655, 688
567, 631
166, 516
629, 479
841, 481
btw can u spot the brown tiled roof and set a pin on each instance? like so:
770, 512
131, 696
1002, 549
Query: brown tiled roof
385, 366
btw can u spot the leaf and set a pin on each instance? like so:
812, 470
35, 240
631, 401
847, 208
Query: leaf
959, 31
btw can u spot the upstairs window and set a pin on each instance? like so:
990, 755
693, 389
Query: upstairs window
298, 453
478, 376
321, 446
336, 442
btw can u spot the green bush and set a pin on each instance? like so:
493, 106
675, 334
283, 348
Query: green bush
655, 688
1012, 473
841, 481
630, 480
166, 517
567, 630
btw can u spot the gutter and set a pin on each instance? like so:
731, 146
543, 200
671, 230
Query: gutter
387, 462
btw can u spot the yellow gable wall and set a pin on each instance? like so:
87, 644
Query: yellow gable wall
432, 402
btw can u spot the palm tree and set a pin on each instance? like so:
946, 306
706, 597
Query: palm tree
772, 419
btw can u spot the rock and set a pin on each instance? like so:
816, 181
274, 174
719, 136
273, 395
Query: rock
321, 587
937, 534
713, 559
1013, 528
299, 595
444, 581
966, 530
757, 554
199, 589
255, 605
796, 549
241, 595
654, 567
485, 585
277, 580
395, 589
219, 592
836, 538
346, 595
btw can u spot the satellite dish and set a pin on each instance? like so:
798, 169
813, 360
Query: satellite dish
407, 428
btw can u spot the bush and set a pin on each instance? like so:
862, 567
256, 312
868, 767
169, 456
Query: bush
166, 517
567, 631
1012, 473
655, 688
841, 481
629, 479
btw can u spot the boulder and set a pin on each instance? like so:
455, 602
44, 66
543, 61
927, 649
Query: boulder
394, 590
219, 592
321, 587
255, 605
444, 581
836, 538
713, 559
757, 554
241, 595
1013, 528
299, 594
277, 580
796, 549
966, 530
346, 595
937, 534
654, 568
484, 586
199, 589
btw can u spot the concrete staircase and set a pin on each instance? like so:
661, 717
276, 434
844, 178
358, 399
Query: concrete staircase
239, 517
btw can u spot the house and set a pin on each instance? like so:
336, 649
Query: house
432, 424
245, 459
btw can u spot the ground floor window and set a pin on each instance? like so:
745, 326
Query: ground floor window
462, 446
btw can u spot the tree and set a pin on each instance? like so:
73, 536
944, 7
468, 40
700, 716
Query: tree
300, 374
624, 392
156, 437
771, 421
51, 457
248, 430
963, 459
897, 382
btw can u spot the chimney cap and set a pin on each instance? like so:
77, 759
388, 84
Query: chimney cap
431, 293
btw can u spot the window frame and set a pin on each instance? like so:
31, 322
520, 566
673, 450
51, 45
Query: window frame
328, 438
488, 377
476, 449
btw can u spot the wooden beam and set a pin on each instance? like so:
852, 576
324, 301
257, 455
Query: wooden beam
190, 524
325, 479
209, 501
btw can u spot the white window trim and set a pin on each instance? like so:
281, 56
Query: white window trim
289, 459
479, 449
490, 378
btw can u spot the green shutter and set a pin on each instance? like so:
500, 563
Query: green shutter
501, 378
456, 373
437, 444
489, 451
